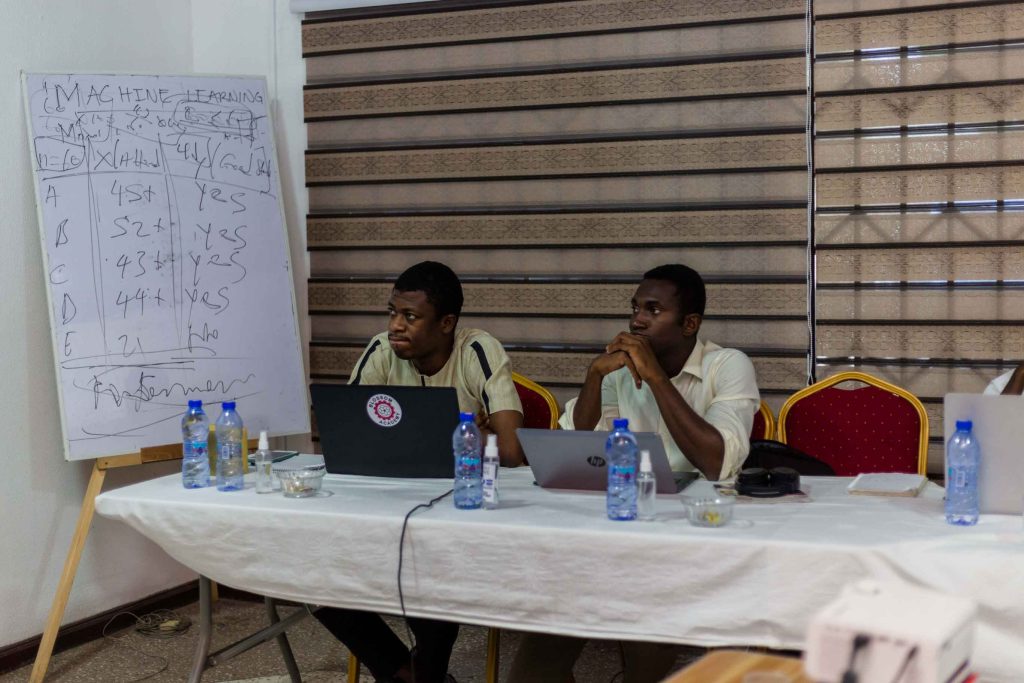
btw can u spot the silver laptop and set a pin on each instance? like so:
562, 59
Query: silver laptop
564, 459
999, 427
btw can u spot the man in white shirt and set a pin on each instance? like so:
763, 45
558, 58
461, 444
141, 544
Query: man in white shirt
699, 397
1009, 383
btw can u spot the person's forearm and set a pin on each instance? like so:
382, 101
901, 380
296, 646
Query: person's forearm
504, 424
698, 439
510, 451
587, 411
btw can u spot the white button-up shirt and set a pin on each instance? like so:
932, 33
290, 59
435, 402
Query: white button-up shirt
719, 384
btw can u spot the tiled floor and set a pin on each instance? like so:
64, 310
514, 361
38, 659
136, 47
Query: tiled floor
321, 659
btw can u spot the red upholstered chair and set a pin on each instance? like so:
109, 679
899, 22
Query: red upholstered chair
540, 410
764, 423
875, 428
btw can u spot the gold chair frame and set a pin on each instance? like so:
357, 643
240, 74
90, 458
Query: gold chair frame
548, 397
855, 376
769, 420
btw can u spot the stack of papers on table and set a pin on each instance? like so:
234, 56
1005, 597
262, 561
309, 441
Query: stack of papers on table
887, 484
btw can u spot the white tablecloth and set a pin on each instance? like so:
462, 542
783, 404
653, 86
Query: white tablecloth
551, 561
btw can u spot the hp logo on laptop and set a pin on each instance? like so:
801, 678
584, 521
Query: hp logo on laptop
384, 410
596, 461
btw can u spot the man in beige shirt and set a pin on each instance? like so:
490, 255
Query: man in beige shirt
423, 347
699, 397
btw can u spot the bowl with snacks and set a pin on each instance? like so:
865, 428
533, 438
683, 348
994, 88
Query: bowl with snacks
301, 476
709, 511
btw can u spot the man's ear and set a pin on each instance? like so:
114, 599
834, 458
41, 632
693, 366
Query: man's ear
691, 324
448, 323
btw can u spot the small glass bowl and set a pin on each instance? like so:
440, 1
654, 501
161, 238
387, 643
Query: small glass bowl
712, 512
301, 483
300, 476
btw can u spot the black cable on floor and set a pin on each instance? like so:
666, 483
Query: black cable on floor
401, 554
160, 624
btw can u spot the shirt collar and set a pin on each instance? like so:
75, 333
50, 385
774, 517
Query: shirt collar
694, 364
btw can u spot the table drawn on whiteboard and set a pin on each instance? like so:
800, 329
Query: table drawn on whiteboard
166, 253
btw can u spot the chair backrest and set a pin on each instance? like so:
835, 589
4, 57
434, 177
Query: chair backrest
875, 428
540, 409
764, 424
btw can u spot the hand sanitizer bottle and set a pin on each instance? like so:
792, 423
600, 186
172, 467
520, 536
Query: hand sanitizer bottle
646, 489
491, 463
263, 460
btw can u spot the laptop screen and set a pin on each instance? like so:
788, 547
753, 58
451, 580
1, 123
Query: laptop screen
575, 459
386, 431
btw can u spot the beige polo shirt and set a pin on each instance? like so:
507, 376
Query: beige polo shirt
478, 369
719, 384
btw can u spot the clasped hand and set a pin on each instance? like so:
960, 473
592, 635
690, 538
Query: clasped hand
630, 351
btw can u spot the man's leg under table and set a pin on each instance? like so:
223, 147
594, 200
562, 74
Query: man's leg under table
545, 658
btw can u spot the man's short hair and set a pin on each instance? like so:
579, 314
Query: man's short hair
689, 286
438, 282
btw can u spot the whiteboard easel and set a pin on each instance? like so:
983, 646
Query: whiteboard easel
167, 265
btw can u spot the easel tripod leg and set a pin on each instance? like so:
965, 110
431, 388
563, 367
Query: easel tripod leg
67, 577
205, 631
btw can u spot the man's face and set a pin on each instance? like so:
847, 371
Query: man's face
414, 329
656, 316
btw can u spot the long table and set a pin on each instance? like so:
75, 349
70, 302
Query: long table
551, 561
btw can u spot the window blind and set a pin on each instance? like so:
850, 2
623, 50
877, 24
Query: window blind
920, 180
550, 152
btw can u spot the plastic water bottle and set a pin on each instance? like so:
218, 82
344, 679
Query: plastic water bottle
620, 452
490, 478
228, 430
262, 462
195, 437
963, 457
646, 489
468, 480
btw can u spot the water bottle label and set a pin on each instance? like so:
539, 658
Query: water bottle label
623, 473
957, 478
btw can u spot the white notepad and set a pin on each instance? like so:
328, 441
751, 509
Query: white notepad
887, 484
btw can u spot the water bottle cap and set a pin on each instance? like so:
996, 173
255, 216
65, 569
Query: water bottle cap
467, 417
192, 405
620, 423
228, 405
964, 425
264, 444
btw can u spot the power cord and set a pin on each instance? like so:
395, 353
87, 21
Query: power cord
161, 624
401, 595
859, 643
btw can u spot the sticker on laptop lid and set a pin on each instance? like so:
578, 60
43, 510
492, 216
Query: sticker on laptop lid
384, 410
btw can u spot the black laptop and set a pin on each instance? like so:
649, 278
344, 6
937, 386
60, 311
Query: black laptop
386, 431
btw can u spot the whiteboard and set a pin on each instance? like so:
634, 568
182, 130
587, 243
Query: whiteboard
166, 256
